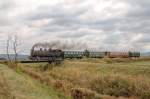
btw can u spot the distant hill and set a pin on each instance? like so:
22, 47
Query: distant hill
12, 56
145, 54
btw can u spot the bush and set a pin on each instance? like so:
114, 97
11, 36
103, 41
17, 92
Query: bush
145, 95
12, 64
3, 62
82, 93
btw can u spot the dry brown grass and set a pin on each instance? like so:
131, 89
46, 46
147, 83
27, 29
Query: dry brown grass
5, 91
112, 81
116, 60
120, 85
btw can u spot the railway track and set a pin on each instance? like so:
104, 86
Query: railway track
31, 61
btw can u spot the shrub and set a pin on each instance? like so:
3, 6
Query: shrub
145, 95
82, 93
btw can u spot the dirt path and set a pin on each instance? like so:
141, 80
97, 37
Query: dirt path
21, 86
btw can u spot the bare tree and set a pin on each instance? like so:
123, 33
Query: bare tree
12, 41
15, 47
7, 48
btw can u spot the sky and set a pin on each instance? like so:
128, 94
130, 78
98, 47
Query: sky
112, 25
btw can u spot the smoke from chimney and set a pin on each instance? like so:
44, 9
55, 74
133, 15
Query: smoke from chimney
65, 45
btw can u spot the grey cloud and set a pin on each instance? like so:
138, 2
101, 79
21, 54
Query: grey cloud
145, 39
59, 12
6, 5
136, 20
65, 21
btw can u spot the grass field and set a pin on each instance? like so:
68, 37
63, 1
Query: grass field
16, 85
111, 79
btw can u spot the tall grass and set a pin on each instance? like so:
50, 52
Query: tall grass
5, 92
120, 85
122, 80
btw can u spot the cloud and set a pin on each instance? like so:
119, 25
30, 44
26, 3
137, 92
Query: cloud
101, 24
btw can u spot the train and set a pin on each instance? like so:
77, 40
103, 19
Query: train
41, 52
57, 56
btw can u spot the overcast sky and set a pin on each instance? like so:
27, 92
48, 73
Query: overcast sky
117, 25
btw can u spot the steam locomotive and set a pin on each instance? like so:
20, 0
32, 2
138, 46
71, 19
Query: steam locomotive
47, 55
